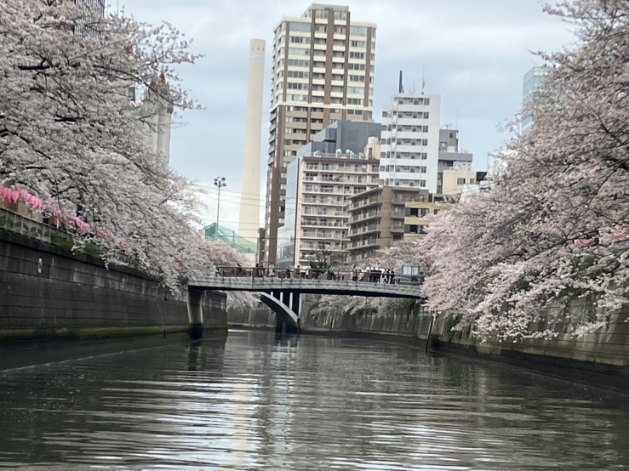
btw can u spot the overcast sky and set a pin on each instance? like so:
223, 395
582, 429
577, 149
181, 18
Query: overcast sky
473, 53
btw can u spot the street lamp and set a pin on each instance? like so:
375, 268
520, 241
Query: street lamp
220, 183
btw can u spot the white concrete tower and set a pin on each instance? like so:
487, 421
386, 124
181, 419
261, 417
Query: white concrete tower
250, 201
158, 110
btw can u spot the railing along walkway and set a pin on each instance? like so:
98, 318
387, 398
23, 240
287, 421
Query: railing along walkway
20, 224
339, 284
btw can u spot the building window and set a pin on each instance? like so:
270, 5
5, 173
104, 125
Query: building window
460, 181
358, 31
297, 51
300, 26
354, 43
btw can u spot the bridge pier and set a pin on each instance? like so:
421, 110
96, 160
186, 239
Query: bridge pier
293, 301
286, 319
195, 312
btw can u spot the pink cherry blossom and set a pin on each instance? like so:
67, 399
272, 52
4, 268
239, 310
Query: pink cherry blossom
73, 131
552, 231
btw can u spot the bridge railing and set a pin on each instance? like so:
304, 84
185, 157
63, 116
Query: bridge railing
14, 222
372, 275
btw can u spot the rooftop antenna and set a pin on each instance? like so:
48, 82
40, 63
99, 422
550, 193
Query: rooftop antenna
400, 85
423, 80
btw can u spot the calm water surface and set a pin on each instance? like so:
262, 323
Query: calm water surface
254, 401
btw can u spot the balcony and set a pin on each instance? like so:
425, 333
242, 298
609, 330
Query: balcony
320, 235
317, 211
365, 217
324, 201
355, 231
364, 203
316, 223
364, 244
397, 227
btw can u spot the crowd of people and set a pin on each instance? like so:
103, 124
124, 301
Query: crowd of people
366, 274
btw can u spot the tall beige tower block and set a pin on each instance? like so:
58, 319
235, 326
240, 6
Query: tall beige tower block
250, 200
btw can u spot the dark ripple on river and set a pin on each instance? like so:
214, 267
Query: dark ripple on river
253, 401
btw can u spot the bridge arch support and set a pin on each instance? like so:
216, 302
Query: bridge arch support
286, 315
195, 312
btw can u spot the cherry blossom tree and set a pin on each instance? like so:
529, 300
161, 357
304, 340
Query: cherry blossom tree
73, 133
555, 226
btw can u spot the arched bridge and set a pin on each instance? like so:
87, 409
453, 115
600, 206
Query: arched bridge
283, 293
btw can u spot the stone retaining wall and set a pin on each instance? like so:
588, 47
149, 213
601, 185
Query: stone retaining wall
47, 291
605, 353
260, 317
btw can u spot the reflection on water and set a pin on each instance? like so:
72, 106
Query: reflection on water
257, 401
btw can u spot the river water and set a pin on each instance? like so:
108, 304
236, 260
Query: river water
252, 400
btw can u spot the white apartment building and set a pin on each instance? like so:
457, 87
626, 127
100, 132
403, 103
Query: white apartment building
323, 69
318, 189
410, 141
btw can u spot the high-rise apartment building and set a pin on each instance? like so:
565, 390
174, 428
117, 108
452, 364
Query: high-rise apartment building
410, 141
158, 110
376, 219
318, 185
323, 69
450, 159
95, 6
531, 83
93, 9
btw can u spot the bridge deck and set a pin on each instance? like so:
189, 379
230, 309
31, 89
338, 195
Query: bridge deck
299, 285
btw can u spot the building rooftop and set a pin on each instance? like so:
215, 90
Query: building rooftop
455, 156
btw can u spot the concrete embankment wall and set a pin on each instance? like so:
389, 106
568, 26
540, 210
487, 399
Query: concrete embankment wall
260, 317
599, 357
46, 291
603, 355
